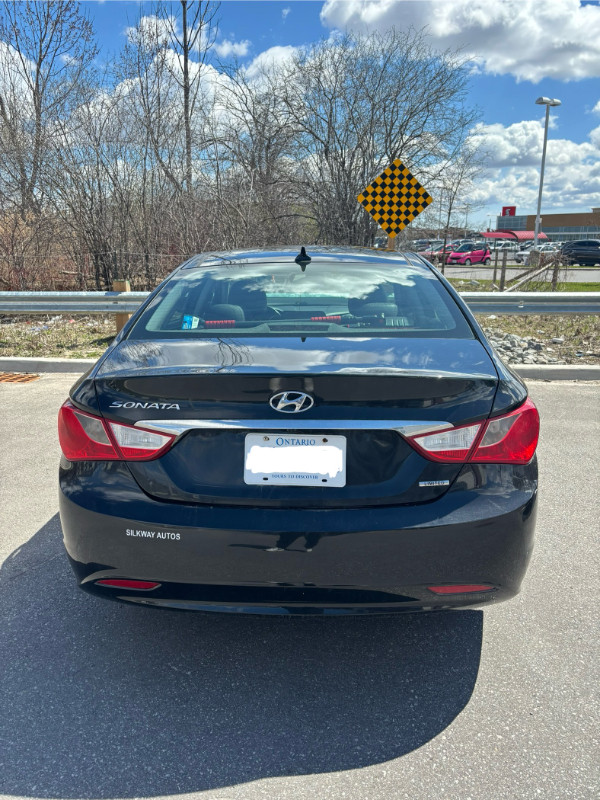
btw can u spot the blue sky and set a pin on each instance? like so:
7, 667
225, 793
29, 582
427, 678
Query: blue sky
521, 49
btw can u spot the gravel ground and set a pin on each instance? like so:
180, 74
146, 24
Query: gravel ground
548, 339
528, 339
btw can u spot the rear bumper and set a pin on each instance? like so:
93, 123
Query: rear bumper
301, 561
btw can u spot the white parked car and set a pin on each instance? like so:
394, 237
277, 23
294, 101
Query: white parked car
524, 256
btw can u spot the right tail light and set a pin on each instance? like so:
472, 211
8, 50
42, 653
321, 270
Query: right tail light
508, 439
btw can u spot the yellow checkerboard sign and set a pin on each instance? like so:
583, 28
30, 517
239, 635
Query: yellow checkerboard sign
394, 198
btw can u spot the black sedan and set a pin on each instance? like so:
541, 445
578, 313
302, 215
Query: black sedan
289, 432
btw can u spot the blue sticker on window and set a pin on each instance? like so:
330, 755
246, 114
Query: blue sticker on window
189, 322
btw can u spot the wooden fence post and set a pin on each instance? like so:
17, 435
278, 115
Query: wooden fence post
555, 271
503, 270
121, 286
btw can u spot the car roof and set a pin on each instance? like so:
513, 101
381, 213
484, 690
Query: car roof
283, 254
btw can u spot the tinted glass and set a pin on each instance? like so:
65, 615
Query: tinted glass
582, 243
327, 299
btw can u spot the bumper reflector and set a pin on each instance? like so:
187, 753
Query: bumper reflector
462, 589
118, 583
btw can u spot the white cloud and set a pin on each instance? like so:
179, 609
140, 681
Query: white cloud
595, 137
227, 48
151, 30
285, 12
571, 178
69, 60
268, 59
596, 108
16, 79
519, 144
530, 39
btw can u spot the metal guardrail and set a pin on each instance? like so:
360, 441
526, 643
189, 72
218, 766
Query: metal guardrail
532, 302
70, 302
126, 302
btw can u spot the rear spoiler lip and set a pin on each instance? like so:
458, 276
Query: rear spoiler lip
145, 372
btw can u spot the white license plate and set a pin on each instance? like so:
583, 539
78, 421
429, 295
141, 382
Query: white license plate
295, 460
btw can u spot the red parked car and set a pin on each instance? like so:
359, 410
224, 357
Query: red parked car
467, 256
438, 254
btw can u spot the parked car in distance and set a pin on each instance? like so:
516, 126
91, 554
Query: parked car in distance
524, 256
467, 256
438, 254
585, 252
284, 432
431, 246
420, 244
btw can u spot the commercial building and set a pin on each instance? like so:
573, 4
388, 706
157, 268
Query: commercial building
557, 227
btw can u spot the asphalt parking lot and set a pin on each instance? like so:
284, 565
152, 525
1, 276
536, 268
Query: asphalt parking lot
105, 701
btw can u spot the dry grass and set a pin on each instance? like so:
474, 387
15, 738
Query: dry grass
48, 336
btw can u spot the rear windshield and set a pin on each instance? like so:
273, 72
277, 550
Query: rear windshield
327, 299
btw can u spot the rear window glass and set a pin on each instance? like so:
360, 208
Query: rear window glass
326, 299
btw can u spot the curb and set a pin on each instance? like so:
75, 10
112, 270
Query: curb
18, 364
537, 372
557, 372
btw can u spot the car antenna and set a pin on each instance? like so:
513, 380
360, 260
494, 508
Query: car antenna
303, 259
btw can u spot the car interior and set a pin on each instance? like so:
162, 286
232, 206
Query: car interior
280, 303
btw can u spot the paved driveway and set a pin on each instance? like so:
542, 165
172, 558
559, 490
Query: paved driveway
105, 701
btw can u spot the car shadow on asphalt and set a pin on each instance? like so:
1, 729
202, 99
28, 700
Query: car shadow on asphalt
102, 700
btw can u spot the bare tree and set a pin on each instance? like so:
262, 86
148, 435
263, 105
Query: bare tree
127, 173
193, 37
169, 90
45, 49
358, 103
454, 184
165, 61
256, 161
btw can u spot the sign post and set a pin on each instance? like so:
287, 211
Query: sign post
394, 199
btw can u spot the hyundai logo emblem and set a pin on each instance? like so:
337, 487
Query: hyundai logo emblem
291, 402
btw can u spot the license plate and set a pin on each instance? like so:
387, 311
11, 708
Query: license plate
290, 460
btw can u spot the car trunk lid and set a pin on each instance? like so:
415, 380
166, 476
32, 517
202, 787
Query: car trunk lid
213, 393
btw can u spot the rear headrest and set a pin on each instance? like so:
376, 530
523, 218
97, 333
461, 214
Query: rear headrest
225, 311
356, 305
251, 297
379, 310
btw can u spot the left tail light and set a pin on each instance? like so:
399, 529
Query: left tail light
509, 439
86, 437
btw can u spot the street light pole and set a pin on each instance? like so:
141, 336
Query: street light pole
543, 101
